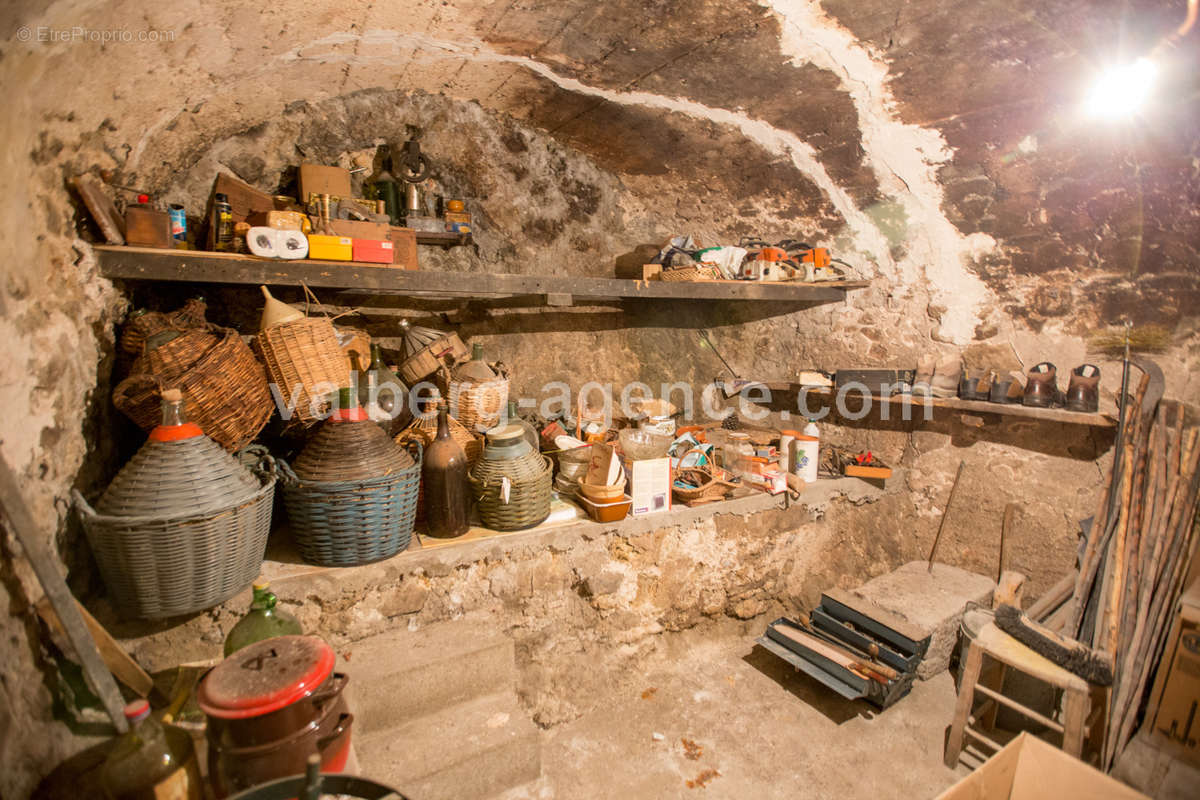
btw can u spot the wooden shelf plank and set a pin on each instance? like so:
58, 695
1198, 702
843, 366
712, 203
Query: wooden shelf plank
917, 403
447, 239
195, 266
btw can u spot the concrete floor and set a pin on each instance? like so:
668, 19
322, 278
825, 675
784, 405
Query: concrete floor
736, 722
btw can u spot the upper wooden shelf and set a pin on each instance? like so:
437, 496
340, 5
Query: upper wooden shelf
918, 402
196, 266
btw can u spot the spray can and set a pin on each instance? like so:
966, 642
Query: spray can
222, 223
178, 225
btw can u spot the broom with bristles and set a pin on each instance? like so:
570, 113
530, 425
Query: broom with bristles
1141, 339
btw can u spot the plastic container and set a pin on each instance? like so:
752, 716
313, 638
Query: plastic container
808, 453
612, 511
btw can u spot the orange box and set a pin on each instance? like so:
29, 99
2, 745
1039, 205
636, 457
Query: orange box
331, 248
373, 251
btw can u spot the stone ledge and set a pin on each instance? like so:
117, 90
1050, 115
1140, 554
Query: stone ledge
288, 574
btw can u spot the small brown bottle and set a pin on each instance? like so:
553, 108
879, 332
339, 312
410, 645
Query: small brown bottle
444, 475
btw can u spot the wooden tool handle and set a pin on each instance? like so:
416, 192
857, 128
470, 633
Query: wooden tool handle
837, 655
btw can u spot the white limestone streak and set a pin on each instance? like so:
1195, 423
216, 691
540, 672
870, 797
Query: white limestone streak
866, 235
905, 159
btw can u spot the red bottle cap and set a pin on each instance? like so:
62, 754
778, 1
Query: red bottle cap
143, 198
137, 711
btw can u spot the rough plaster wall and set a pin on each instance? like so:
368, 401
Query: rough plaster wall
631, 122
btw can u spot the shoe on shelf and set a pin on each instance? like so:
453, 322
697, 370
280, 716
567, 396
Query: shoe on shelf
1005, 388
974, 384
921, 384
945, 377
1083, 392
1041, 386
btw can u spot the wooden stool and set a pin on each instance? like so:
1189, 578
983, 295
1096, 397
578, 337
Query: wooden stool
1004, 652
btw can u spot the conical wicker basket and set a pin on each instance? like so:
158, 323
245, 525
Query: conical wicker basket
224, 385
478, 406
350, 522
164, 562
305, 361
529, 487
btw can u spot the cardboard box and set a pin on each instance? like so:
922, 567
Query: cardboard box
281, 220
1030, 769
1174, 710
649, 485
320, 179
358, 229
331, 248
457, 216
404, 247
372, 251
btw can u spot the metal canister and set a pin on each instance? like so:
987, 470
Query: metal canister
178, 224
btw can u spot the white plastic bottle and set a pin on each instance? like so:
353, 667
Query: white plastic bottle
807, 449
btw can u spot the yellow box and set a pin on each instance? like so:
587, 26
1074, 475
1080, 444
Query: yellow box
331, 248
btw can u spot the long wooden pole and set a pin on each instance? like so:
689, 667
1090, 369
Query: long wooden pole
28, 534
945, 512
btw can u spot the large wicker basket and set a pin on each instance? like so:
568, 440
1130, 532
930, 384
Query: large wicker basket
157, 567
478, 406
224, 386
347, 523
305, 361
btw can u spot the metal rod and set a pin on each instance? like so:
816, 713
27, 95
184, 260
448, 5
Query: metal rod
945, 513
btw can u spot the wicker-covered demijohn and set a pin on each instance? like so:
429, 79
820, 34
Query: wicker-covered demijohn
182, 527
351, 495
425, 350
511, 483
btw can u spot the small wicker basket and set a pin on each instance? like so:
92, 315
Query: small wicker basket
478, 406
157, 566
431, 357
690, 274
347, 523
224, 385
304, 354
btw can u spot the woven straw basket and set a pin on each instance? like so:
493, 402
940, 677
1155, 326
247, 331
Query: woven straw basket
433, 356
305, 353
347, 523
478, 406
689, 274
156, 566
224, 385
142, 325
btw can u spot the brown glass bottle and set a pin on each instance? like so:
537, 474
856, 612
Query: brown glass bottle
444, 476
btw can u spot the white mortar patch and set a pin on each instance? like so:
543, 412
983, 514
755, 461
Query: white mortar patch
905, 159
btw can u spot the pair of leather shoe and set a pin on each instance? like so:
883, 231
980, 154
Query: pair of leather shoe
1083, 390
938, 378
992, 385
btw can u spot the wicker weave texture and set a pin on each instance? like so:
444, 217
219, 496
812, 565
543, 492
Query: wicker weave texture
142, 327
529, 493
424, 427
431, 357
224, 386
177, 479
347, 523
157, 566
350, 451
478, 406
305, 353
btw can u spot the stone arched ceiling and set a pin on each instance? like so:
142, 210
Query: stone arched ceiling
941, 144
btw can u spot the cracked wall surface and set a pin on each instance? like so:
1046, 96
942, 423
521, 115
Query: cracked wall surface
936, 147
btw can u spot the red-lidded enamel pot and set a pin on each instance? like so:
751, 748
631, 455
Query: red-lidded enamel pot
270, 706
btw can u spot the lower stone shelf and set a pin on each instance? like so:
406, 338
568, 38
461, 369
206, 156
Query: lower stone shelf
283, 564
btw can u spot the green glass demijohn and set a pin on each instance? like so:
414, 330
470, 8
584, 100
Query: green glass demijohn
263, 621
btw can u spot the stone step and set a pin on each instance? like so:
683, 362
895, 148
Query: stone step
468, 751
400, 675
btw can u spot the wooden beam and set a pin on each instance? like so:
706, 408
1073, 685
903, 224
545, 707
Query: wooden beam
193, 266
